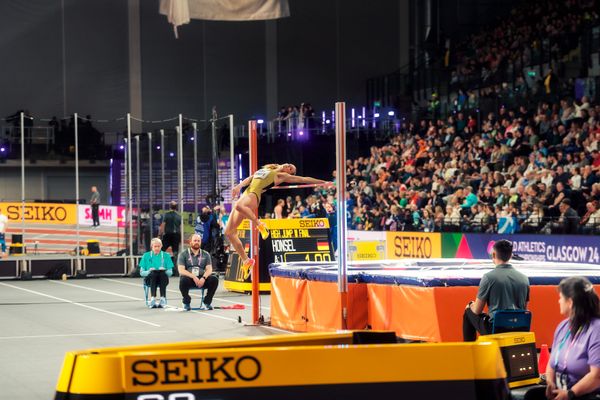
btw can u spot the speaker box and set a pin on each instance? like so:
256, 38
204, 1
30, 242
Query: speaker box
93, 247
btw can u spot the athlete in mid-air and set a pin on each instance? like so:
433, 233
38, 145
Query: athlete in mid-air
268, 176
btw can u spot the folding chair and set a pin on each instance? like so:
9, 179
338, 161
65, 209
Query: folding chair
147, 293
511, 321
202, 291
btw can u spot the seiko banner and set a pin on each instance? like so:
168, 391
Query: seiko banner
40, 213
553, 248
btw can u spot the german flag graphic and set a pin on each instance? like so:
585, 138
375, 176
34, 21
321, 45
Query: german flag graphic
323, 246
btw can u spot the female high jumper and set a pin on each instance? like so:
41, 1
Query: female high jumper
268, 176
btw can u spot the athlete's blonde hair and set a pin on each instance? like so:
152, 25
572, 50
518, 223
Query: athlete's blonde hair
271, 166
279, 166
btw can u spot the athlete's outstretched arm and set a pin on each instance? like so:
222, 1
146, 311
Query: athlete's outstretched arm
235, 191
288, 178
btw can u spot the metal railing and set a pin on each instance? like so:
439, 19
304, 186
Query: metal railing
34, 136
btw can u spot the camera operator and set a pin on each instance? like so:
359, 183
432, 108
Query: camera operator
206, 224
316, 207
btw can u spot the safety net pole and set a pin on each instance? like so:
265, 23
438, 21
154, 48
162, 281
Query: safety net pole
340, 150
253, 155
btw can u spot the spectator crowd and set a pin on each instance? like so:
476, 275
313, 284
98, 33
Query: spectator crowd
531, 164
525, 171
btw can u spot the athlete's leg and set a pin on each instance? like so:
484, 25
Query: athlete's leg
235, 219
246, 206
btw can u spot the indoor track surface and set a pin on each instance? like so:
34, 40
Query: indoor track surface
43, 319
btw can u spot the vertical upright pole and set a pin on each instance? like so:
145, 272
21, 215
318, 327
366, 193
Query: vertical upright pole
215, 157
180, 173
231, 154
137, 191
195, 126
340, 148
129, 186
253, 155
125, 220
162, 168
76, 125
22, 123
150, 185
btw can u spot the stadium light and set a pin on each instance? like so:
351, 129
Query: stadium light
364, 113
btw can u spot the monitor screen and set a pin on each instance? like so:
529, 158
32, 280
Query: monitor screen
520, 362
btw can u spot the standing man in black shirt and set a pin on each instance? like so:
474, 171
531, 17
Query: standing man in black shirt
171, 229
95, 202
195, 271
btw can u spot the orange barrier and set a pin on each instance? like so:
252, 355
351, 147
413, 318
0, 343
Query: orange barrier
288, 303
435, 314
323, 306
310, 306
432, 314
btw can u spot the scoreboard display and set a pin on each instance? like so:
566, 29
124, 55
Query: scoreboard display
289, 240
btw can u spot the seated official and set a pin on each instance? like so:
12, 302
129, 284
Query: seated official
503, 288
574, 368
156, 266
195, 271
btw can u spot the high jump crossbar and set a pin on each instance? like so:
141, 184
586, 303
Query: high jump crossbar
308, 185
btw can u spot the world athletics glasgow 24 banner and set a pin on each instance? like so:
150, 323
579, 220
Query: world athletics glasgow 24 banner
553, 248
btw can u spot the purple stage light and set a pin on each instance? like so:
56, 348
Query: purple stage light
376, 115
391, 113
157, 147
171, 154
2, 149
121, 147
301, 133
261, 121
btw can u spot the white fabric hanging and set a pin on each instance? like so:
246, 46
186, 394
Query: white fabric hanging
180, 12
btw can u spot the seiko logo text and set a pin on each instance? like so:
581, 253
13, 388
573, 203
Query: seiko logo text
412, 247
194, 370
312, 223
39, 213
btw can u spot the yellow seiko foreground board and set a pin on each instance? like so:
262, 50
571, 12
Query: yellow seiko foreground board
342, 365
